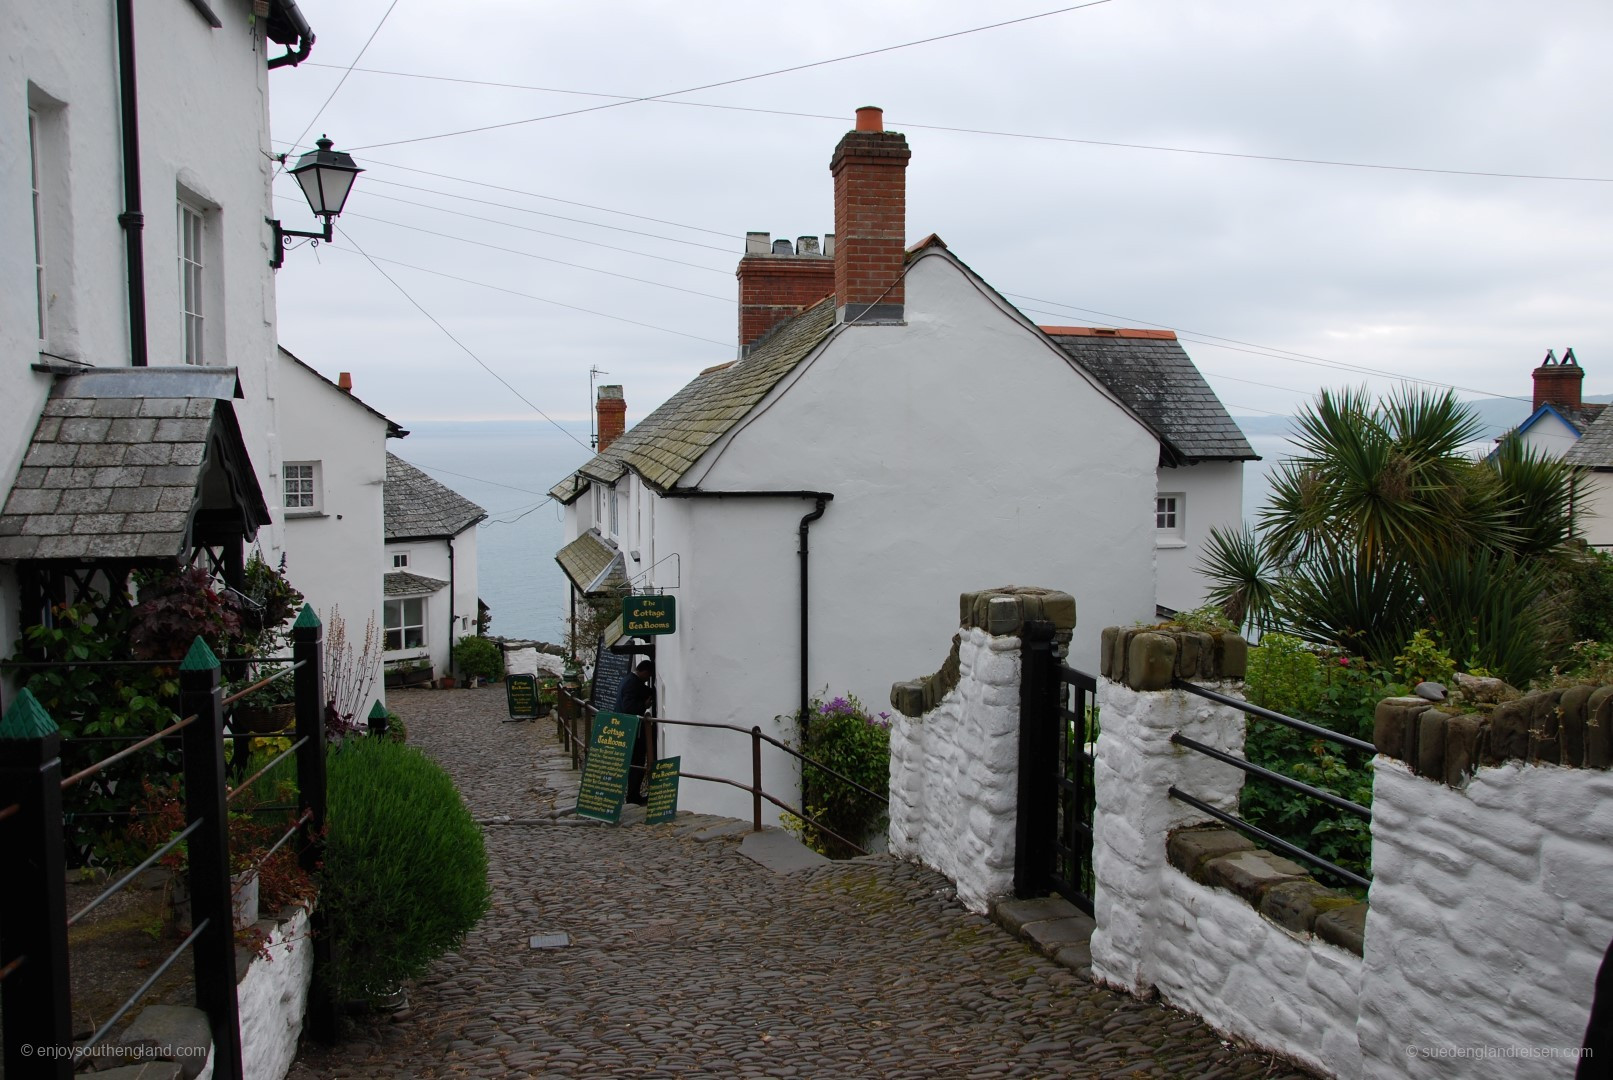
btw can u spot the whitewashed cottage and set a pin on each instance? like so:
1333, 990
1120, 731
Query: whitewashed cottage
429, 571
894, 433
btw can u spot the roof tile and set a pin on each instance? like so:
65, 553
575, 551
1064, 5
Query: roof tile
418, 507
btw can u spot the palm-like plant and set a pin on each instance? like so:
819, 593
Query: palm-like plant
1381, 525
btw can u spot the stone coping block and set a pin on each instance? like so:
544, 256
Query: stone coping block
177, 1033
1279, 889
1014, 915
1000, 612
1570, 727
1149, 657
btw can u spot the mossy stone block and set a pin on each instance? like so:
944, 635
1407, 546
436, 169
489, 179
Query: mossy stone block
1189, 849
1394, 723
907, 697
1232, 656
1572, 711
1431, 744
1509, 731
1106, 651
1058, 608
1466, 744
1251, 873
1150, 661
1293, 904
1345, 927
1544, 745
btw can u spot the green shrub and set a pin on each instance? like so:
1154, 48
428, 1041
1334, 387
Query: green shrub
405, 871
479, 656
842, 736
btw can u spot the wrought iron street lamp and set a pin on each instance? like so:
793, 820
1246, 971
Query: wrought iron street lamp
325, 176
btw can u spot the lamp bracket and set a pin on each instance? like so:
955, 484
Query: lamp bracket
284, 236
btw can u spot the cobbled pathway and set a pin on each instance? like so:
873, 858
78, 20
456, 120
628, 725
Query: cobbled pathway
688, 959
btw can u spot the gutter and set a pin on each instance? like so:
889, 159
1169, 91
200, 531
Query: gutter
305, 36
132, 220
821, 498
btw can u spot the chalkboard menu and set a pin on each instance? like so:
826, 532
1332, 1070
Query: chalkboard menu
521, 693
663, 802
609, 671
603, 788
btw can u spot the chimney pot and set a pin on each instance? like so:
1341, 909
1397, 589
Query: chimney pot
758, 243
829, 244
781, 246
344, 382
870, 118
806, 245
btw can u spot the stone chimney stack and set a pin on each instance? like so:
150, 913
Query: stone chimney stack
870, 190
611, 414
776, 282
1559, 382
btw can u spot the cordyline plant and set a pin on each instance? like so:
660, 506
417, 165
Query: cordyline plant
1381, 525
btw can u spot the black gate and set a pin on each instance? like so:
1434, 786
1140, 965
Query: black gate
1058, 723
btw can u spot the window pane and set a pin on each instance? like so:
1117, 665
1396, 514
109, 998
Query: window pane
414, 637
414, 612
394, 618
394, 639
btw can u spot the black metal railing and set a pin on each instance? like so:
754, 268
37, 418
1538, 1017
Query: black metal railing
1269, 776
34, 952
581, 708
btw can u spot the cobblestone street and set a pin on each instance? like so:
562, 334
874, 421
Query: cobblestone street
689, 959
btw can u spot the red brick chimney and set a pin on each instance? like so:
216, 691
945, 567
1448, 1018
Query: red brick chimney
870, 179
611, 413
776, 282
1558, 382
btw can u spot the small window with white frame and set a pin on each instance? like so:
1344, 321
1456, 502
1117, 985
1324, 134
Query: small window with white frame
405, 624
1169, 515
400, 560
302, 488
192, 221
41, 293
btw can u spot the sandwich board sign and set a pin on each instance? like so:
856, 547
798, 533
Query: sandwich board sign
603, 788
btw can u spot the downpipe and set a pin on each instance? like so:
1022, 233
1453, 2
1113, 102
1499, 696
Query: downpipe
132, 220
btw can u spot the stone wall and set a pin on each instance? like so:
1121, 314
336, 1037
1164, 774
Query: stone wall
273, 998
954, 784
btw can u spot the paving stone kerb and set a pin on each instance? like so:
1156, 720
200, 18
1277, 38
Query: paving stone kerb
688, 959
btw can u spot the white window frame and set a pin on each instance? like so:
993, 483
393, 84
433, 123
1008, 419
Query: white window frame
41, 289
615, 512
1170, 518
396, 621
309, 484
191, 222
400, 560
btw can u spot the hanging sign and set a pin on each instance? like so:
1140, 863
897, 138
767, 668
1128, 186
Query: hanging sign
603, 788
521, 694
663, 803
645, 616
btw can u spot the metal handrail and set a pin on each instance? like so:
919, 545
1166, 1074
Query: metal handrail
781, 805
100, 1033
126, 751
261, 683
14, 808
1267, 714
1275, 841
112, 889
255, 777
13, 966
1275, 777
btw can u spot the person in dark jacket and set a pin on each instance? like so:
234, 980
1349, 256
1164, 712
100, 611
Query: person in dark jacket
637, 698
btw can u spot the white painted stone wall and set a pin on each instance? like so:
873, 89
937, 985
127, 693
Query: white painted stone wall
526, 659
1489, 919
1136, 764
1212, 497
272, 999
954, 785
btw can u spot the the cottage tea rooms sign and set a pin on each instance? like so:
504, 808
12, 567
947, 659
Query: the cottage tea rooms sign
646, 616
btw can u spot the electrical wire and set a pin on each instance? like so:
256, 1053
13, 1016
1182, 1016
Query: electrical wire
624, 99
478, 479
726, 345
339, 82
741, 79
463, 347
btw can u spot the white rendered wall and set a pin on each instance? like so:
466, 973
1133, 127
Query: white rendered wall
429, 558
272, 999
1593, 507
1489, 918
335, 557
954, 786
1549, 435
963, 453
1213, 497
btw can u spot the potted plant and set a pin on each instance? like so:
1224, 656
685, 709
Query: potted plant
479, 658
266, 710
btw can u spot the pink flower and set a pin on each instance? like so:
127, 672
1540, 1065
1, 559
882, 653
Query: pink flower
1344, 661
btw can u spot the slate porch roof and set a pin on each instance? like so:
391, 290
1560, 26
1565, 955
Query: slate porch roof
133, 463
1151, 372
418, 508
665, 444
594, 567
403, 583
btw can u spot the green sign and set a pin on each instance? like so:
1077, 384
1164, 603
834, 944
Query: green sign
663, 805
645, 616
521, 693
603, 787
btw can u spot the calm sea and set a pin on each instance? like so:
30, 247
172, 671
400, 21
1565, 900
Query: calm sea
507, 467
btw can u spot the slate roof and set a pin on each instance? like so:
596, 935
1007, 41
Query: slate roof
116, 465
418, 508
1594, 450
664, 445
594, 567
1151, 372
1580, 418
403, 583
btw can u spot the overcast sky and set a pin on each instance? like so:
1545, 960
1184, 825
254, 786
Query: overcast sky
1451, 278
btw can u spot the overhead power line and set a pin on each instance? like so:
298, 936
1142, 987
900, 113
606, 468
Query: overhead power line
743, 78
463, 347
625, 99
339, 82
